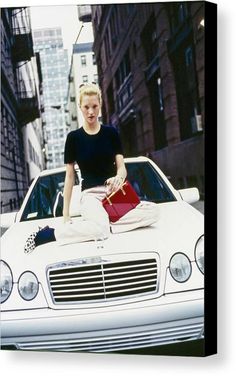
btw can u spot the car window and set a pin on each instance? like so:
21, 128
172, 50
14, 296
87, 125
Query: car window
42, 199
147, 183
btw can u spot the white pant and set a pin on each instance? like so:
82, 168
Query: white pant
95, 222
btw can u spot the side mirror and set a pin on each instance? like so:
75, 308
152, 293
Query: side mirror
7, 219
190, 195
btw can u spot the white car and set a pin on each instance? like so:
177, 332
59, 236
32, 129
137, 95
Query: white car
133, 290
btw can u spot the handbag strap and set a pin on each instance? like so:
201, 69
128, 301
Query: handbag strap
113, 193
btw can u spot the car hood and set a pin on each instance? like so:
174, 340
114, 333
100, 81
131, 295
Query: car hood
178, 228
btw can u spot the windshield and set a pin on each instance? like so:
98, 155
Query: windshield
147, 183
144, 178
43, 197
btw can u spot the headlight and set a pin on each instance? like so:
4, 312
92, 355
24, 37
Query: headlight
28, 286
199, 254
6, 281
180, 267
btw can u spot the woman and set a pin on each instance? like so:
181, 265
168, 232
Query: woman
97, 150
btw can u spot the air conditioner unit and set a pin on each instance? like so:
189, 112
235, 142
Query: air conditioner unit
196, 122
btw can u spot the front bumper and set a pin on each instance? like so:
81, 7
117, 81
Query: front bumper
165, 320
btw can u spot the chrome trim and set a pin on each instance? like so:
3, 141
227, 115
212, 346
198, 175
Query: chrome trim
188, 332
105, 280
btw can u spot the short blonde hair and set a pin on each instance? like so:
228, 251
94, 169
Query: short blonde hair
90, 89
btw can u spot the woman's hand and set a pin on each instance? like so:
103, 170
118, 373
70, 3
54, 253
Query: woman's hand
114, 184
67, 218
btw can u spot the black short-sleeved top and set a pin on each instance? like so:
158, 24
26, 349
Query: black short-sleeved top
94, 154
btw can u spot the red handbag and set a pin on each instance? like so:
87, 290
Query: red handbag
118, 203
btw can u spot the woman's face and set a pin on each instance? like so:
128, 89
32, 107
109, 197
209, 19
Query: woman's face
90, 107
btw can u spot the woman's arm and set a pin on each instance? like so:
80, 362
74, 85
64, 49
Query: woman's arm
120, 167
69, 183
116, 182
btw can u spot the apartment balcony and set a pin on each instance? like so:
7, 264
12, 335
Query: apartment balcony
28, 108
22, 48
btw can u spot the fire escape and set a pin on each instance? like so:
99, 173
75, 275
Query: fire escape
22, 52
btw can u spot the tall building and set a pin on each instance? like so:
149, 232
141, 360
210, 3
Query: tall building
54, 62
150, 59
21, 133
83, 69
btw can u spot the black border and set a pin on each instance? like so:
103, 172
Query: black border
210, 178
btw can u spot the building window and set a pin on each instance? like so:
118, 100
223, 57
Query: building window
83, 60
7, 126
85, 78
94, 59
160, 95
123, 70
37, 34
124, 84
178, 13
150, 40
49, 33
157, 105
187, 91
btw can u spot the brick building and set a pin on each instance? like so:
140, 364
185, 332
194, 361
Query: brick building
21, 133
150, 59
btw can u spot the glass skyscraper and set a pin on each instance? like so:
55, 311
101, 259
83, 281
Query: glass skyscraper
55, 68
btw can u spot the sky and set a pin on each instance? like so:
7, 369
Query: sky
64, 16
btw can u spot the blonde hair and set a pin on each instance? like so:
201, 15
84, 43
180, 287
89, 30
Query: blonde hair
90, 89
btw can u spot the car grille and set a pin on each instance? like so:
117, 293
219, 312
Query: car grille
103, 281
